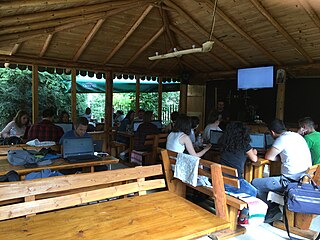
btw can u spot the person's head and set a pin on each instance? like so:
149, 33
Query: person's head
182, 124
21, 118
64, 117
235, 137
213, 117
276, 127
173, 116
81, 126
194, 122
306, 125
220, 105
119, 112
130, 115
141, 112
48, 114
88, 111
148, 116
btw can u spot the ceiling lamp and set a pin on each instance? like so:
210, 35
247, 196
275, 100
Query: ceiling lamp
206, 46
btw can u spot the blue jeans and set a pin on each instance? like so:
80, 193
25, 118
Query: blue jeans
245, 187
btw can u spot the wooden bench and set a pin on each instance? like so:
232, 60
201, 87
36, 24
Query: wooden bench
233, 204
299, 223
65, 208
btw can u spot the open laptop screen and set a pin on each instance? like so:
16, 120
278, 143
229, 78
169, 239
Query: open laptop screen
257, 140
214, 137
269, 140
136, 125
158, 123
77, 146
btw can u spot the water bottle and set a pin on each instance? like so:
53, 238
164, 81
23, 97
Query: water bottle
199, 140
13, 131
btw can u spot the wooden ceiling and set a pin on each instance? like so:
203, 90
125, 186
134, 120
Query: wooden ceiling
121, 35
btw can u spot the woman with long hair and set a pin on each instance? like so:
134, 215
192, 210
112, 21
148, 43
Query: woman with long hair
17, 126
235, 148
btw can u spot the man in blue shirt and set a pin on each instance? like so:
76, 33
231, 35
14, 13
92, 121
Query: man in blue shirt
80, 130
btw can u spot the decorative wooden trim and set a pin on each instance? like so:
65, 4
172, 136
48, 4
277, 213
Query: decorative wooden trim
204, 32
145, 46
129, 33
284, 33
46, 45
181, 33
88, 39
243, 33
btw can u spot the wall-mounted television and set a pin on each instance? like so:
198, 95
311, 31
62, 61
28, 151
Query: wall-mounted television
254, 78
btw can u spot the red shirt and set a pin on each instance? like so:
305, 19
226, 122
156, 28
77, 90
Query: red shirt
45, 131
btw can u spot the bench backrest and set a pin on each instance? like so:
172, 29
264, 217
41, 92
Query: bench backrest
54, 193
214, 171
314, 172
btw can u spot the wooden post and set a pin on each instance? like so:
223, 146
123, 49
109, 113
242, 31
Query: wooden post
281, 82
108, 109
137, 93
73, 95
160, 99
35, 95
183, 98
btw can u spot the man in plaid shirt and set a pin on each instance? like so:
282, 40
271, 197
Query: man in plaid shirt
45, 130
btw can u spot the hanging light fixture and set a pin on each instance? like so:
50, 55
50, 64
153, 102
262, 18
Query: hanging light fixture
206, 46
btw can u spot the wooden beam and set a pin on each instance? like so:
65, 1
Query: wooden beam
129, 33
284, 33
160, 99
145, 46
88, 39
137, 93
35, 95
183, 98
46, 45
311, 12
15, 49
243, 33
191, 40
73, 95
65, 13
204, 32
188, 65
9, 5
108, 108
154, 64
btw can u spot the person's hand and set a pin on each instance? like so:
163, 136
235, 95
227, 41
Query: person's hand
209, 145
255, 151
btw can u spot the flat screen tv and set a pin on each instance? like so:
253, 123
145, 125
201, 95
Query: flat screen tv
254, 78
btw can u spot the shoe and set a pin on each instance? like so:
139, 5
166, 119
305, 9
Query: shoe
245, 216
273, 214
242, 221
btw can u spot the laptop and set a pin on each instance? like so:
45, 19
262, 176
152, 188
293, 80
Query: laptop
158, 123
136, 125
214, 137
97, 145
78, 150
269, 141
65, 126
257, 141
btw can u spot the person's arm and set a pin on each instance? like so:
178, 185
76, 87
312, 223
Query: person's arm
6, 131
272, 154
185, 139
252, 155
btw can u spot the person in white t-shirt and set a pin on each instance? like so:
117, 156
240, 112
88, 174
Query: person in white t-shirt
293, 151
213, 125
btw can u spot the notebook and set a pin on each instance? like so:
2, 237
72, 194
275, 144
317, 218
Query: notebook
78, 150
269, 140
257, 141
214, 137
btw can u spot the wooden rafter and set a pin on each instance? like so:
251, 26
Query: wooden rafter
188, 65
284, 33
88, 39
185, 36
154, 64
145, 46
243, 33
129, 33
204, 32
9, 5
311, 12
65, 13
15, 49
46, 45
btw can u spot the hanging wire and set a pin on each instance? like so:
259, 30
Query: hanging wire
213, 19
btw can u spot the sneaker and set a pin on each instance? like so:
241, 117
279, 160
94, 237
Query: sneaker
242, 221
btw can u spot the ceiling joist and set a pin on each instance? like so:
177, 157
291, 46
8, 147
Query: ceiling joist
311, 12
46, 45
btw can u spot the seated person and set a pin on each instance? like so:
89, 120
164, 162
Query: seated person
312, 137
144, 129
194, 125
45, 130
213, 125
140, 115
17, 126
173, 117
64, 117
179, 141
80, 130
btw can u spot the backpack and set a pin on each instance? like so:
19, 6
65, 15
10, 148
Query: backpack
20, 157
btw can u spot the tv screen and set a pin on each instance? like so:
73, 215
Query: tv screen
251, 78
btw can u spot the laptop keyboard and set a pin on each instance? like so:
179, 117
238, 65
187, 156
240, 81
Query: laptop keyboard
83, 158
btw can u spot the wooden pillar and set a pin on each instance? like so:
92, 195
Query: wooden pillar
281, 82
137, 93
35, 95
183, 98
160, 99
73, 95
108, 109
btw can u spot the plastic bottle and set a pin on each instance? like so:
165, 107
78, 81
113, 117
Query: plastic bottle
13, 131
199, 140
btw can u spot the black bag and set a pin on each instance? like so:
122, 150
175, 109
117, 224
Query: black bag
11, 176
302, 198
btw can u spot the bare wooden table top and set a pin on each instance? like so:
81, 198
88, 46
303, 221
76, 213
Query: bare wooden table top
161, 215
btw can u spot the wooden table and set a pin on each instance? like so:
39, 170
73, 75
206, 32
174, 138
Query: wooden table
161, 215
57, 164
